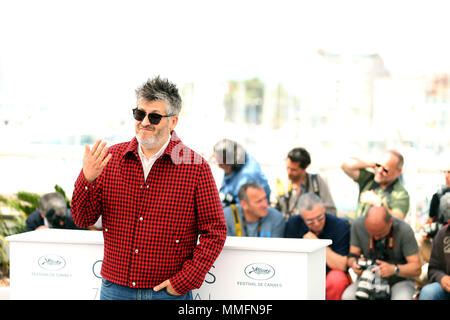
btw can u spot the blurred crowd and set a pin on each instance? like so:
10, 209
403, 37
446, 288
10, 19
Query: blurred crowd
375, 255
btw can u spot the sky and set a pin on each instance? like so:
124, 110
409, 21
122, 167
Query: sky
85, 55
80, 58
87, 43
88, 55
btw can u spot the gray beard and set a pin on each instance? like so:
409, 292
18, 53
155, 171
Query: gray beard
149, 143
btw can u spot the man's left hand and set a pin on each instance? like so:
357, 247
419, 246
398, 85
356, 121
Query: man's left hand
166, 284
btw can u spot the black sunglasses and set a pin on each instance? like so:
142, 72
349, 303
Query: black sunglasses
382, 167
154, 118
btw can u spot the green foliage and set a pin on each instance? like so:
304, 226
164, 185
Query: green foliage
4, 261
25, 203
60, 190
9, 225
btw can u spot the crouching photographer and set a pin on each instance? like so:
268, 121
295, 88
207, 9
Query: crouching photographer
52, 213
391, 257
371, 285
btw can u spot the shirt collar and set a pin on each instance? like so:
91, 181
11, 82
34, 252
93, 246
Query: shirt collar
156, 155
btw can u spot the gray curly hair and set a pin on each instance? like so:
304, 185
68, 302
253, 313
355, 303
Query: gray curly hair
55, 201
160, 89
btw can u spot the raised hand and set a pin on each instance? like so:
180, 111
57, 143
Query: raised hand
371, 198
95, 160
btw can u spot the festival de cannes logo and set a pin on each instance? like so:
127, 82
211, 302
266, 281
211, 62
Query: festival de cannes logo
259, 271
51, 262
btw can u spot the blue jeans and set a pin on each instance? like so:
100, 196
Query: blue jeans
434, 291
113, 291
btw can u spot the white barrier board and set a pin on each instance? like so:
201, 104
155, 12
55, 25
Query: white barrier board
65, 264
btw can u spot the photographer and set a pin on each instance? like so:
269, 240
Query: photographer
315, 223
439, 266
429, 230
300, 182
379, 183
239, 168
434, 213
389, 244
253, 217
52, 213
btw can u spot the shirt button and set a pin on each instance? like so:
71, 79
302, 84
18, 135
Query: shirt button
142, 186
137, 251
86, 188
134, 284
141, 218
106, 229
177, 241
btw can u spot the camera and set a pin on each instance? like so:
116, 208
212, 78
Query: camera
227, 199
364, 263
57, 221
371, 285
381, 289
431, 229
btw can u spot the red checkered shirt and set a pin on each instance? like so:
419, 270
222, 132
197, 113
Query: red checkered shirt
151, 227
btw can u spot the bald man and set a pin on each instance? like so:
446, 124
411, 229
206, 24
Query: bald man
379, 183
391, 244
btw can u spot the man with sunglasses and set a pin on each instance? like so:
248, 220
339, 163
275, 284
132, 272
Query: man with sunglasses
157, 198
434, 214
381, 185
314, 223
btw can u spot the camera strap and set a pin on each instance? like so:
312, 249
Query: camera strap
237, 220
239, 224
258, 232
389, 244
287, 195
315, 184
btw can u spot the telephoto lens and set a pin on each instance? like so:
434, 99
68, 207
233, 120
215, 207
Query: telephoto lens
365, 285
381, 289
364, 263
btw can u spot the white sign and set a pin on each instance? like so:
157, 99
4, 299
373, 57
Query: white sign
66, 264
267, 268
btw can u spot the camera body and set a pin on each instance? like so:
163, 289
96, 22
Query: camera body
57, 221
371, 285
365, 263
432, 228
227, 199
